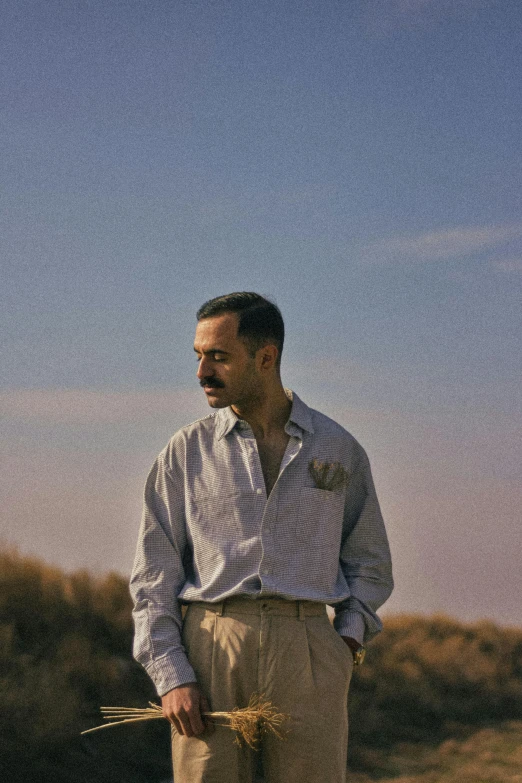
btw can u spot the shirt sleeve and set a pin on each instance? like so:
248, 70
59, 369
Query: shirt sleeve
157, 577
365, 558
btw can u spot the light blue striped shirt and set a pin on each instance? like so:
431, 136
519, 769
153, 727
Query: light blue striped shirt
209, 531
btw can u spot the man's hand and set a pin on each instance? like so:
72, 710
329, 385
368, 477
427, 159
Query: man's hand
353, 644
183, 706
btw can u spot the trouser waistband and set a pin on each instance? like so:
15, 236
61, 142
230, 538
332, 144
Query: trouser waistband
260, 606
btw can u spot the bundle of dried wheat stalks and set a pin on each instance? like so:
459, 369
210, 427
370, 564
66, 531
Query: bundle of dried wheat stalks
250, 722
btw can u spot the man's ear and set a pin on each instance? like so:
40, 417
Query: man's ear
268, 354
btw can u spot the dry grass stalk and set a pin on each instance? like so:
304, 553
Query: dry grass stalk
328, 475
259, 717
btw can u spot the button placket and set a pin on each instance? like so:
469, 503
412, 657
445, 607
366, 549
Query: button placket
255, 466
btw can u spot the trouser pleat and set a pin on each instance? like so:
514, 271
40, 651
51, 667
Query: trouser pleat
301, 665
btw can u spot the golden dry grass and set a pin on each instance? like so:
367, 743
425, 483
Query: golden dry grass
490, 755
250, 722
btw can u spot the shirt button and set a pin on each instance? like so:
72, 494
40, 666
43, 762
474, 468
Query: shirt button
259, 491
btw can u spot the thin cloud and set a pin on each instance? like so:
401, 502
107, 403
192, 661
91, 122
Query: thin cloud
440, 245
440, 6
85, 406
256, 207
386, 16
509, 265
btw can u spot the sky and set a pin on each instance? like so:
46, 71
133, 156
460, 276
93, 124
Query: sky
358, 161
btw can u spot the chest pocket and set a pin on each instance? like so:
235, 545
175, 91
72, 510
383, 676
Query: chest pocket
320, 517
221, 518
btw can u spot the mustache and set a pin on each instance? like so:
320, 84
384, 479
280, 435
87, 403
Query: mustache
211, 382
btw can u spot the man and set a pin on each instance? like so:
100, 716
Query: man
256, 517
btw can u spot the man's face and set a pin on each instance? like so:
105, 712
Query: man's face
226, 372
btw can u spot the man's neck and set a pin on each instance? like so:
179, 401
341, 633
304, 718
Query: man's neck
268, 415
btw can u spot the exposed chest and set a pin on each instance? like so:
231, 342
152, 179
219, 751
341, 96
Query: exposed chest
271, 454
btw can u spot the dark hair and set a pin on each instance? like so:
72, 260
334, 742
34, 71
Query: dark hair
260, 320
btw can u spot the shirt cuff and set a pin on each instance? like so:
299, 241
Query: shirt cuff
170, 672
351, 624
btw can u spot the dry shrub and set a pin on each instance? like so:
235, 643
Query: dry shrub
65, 649
426, 677
65, 645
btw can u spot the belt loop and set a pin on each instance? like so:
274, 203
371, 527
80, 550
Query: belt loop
301, 610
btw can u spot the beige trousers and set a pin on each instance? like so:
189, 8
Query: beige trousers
288, 651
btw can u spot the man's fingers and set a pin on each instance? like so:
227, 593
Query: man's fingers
172, 719
182, 706
196, 722
177, 725
186, 721
205, 707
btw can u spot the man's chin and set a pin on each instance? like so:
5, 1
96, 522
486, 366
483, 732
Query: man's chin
217, 403
215, 400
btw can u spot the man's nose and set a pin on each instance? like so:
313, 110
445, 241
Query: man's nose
203, 370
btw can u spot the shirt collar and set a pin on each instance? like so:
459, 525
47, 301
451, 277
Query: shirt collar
300, 415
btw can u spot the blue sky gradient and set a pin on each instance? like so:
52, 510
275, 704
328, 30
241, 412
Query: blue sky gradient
360, 162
